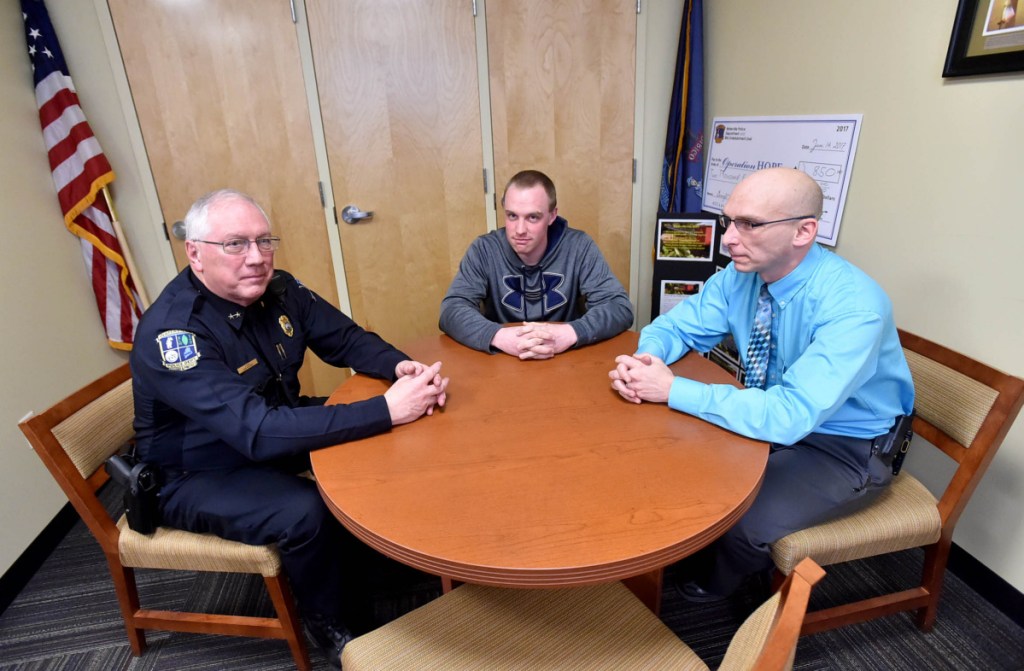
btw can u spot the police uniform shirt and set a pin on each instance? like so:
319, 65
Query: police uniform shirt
216, 384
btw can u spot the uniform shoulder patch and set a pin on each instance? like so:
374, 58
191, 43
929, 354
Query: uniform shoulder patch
303, 286
178, 349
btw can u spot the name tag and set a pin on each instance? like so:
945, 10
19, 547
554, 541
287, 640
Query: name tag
246, 366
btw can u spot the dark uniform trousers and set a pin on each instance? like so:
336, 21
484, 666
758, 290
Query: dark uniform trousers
262, 504
817, 479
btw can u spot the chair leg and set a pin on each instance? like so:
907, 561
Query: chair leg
128, 601
284, 604
936, 558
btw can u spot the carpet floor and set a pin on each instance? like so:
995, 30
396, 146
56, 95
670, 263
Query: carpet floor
67, 618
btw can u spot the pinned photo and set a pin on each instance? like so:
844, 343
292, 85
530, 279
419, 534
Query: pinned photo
686, 239
674, 292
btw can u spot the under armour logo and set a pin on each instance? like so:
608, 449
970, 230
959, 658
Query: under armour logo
551, 295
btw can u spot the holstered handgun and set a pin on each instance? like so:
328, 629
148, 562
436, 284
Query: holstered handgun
142, 484
892, 447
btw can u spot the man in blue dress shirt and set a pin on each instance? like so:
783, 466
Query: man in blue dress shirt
836, 376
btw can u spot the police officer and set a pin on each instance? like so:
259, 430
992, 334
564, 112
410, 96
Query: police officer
219, 411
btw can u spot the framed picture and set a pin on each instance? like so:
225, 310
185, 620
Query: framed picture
674, 292
686, 239
988, 37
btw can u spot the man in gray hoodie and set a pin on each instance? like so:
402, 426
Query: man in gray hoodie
534, 271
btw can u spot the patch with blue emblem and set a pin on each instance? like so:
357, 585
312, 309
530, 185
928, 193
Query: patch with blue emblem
178, 349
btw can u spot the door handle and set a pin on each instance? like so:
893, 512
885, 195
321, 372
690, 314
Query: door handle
353, 215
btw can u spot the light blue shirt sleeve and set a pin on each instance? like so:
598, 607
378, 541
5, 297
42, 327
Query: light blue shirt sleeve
830, 371
697, 323
838, 366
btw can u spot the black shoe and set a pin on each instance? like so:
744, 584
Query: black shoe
694, 593
330, 634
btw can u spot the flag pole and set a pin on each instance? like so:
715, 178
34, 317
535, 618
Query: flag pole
126, 253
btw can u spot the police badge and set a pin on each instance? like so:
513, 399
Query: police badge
178, 349
286, 325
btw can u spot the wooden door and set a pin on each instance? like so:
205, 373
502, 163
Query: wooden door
562, 95
219, 93
399, 98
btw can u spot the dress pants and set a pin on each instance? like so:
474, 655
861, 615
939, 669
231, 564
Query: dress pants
260, 504
812, 481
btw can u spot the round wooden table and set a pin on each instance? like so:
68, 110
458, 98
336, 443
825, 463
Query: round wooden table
537, 474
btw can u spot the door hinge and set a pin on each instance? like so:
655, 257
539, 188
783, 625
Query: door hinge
320, 187
474, 8
634, 171
295, 18
638, 6
485, 180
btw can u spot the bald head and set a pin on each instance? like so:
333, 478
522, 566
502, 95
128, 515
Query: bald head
787, 199
788, 191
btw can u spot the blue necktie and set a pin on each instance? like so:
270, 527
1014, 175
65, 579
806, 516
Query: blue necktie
760, 341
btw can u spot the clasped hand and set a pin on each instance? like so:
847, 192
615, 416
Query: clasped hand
534, 340
416, 391
641, 377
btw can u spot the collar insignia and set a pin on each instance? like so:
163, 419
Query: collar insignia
178, 349
236, 315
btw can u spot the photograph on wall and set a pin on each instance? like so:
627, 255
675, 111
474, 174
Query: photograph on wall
675, 291
987, 38
1002, 18
686, 239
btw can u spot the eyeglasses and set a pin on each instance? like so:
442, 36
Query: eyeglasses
746, 225
237, 246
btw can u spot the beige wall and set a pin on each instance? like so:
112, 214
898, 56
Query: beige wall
918, 217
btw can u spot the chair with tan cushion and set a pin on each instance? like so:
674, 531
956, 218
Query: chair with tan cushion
964, 408
74, 438
601, 627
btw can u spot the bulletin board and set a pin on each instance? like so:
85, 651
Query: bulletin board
687, 251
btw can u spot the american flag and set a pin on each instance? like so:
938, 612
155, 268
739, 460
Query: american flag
80, 171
